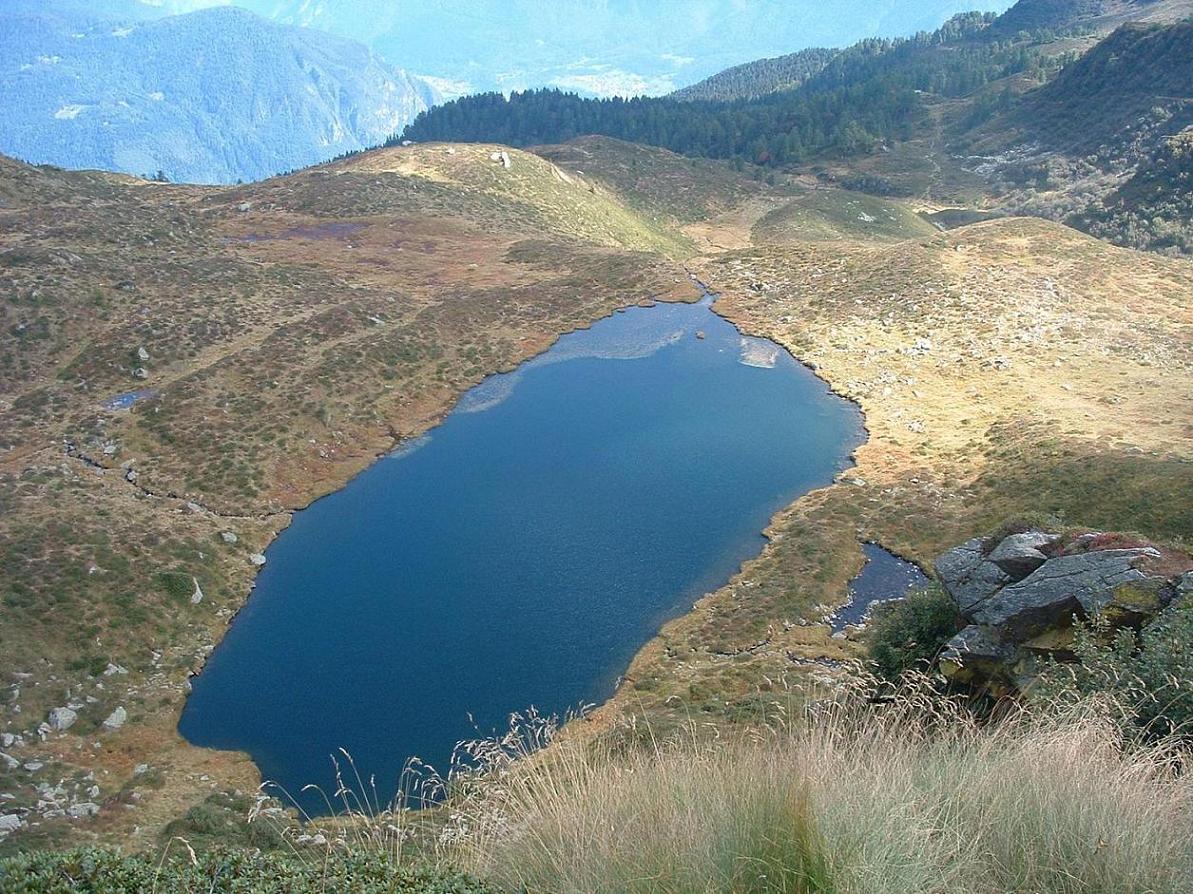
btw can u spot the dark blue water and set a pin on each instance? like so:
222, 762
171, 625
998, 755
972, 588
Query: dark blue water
521, 553
883, 578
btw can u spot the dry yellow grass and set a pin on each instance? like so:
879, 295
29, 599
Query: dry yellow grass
907, 798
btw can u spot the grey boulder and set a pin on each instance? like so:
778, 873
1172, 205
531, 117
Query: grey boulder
62, 719
1085, 583
115, 720
968, 576
1021, 554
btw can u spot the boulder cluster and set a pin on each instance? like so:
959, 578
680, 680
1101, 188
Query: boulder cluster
1019, 595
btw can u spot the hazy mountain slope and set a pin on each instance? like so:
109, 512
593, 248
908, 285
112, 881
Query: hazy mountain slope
759, 78
623, 47
213, 96
1061, 15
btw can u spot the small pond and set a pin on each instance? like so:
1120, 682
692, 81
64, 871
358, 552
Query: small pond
883, 578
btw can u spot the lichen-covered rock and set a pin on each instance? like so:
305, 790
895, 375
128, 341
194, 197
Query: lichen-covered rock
1080, 584
976, 653
1019, 599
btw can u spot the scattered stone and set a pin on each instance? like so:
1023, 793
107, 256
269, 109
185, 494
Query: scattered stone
140, 373
10, 762
62, 719
140, 769
113, 669
10, 823
7, 740
257, 559
82, 810
131, 476
197, 596
142, 354
115, 720
33, 766
229, 536
244, 207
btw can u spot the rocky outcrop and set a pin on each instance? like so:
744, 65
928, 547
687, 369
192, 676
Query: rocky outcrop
1019, 595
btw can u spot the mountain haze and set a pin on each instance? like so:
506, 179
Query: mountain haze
213, 96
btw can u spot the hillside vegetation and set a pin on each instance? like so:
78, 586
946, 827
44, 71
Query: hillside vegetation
1040, 111
754, 79
1092, 103
262, 344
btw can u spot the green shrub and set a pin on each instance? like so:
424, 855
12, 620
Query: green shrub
98, 871
911, 632
1148, 674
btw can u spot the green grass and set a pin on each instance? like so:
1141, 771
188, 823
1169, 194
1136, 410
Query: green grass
831, 214
96, 871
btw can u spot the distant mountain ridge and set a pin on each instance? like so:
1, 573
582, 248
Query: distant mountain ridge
212, 96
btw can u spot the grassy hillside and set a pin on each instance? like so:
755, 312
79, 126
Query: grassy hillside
1139, 70
837, 214
270, 341
664, 187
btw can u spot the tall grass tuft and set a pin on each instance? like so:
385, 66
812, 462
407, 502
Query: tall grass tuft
907, 797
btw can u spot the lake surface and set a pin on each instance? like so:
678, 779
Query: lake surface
522, 552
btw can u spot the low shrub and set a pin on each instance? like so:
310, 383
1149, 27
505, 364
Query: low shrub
1146, 675
909, 634
101, 871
